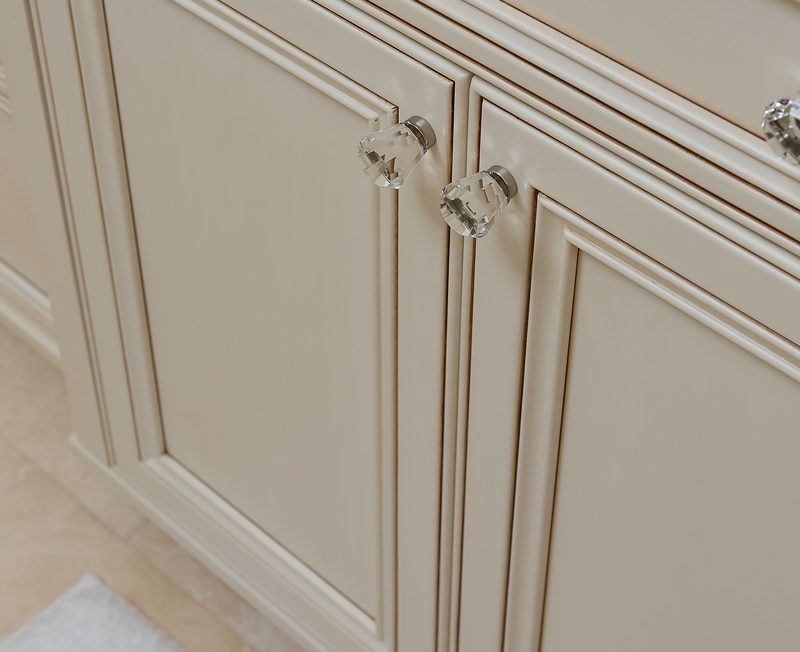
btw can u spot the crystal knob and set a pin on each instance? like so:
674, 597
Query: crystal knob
391, 154
781, 126
470, 206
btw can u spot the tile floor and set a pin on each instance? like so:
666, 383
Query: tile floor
60, 518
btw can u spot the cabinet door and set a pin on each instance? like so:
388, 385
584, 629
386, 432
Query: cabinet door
635, 374
294, 311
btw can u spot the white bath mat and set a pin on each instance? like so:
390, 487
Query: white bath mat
90, 617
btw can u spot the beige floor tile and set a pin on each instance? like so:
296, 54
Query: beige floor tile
48, 541
207, 589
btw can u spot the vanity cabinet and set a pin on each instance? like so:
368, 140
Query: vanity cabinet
576, 432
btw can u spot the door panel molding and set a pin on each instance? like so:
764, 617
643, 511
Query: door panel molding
562, 237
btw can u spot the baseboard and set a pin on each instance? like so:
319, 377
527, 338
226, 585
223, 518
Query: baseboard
245, 586
25, 309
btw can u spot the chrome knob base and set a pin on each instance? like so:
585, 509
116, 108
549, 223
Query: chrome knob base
471, 206
781, 127
390, 155
422, 130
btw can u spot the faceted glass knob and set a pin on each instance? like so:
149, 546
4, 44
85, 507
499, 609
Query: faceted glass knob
391, 154
470, 206
781, 126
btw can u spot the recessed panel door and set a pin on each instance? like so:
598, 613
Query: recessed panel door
295, 310
634, 400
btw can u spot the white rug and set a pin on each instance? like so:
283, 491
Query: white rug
90, 617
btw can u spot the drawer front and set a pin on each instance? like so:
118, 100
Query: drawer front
731, 60
613, 328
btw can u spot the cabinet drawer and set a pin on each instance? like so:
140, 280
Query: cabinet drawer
733, 60
610, 326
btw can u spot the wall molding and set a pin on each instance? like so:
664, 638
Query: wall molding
25, 309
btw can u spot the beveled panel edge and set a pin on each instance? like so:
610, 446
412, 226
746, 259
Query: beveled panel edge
652, 276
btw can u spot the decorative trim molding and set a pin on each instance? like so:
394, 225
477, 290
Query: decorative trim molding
26, 310
500, 44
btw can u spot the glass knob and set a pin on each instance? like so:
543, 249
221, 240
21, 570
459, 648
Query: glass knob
391, 154
470, 206
781, 126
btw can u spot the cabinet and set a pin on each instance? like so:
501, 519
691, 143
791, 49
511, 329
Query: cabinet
576, 432
640, 385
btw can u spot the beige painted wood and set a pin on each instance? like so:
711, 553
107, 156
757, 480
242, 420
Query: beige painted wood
674, 525
21, 35
299, 305
25, 309
501, 272
209, 167
733, 61
515, 410
19, 242
495, 41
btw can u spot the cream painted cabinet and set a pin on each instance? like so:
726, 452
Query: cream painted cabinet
578, 432
635, 375
282, 317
